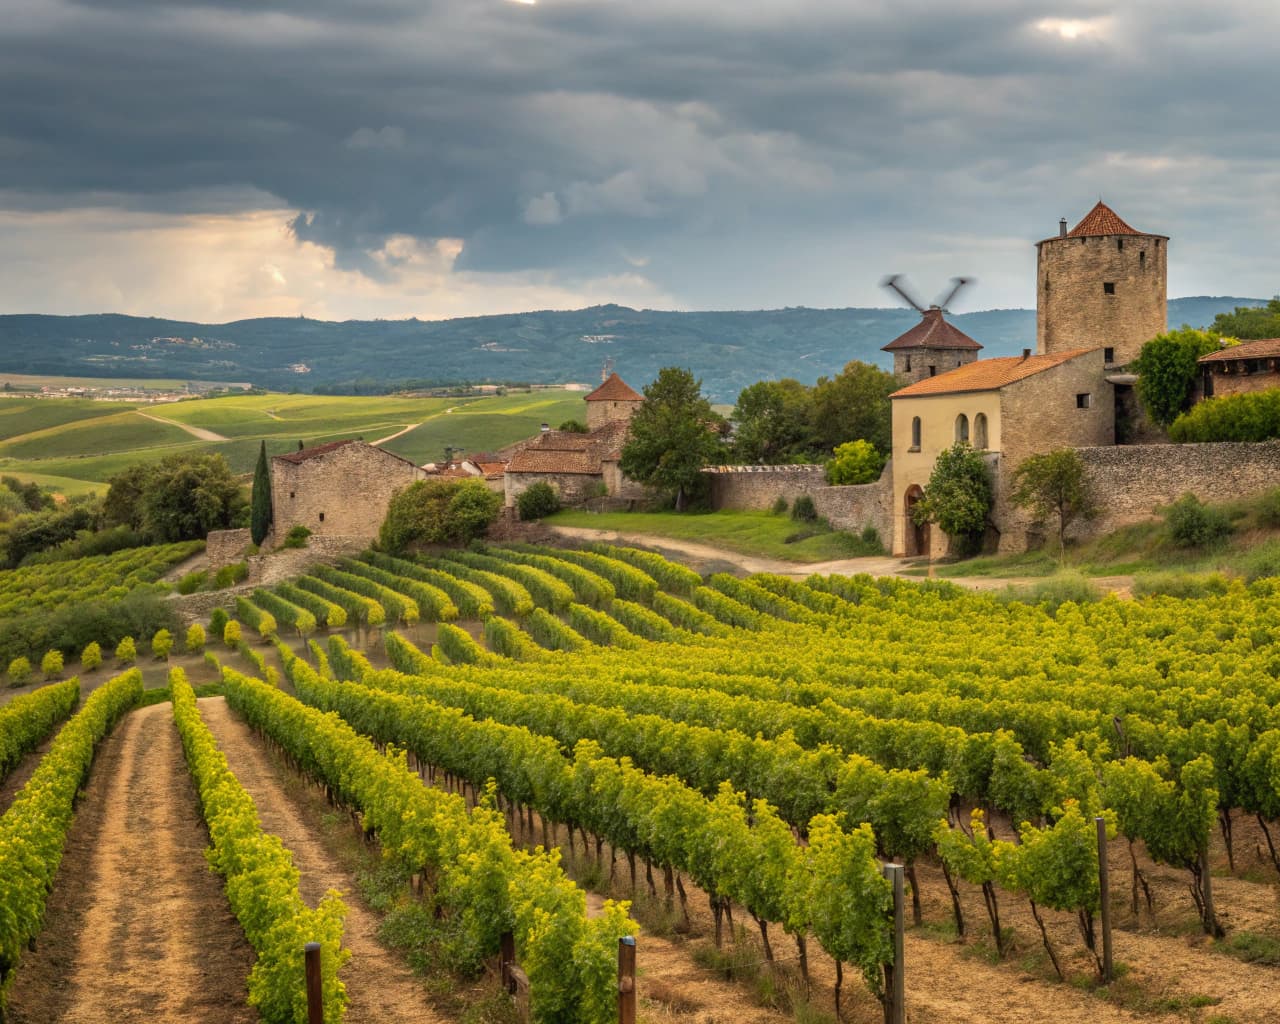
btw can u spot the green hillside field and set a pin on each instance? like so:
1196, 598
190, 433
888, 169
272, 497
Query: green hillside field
77, 445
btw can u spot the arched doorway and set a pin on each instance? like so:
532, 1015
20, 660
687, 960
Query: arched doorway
917, 536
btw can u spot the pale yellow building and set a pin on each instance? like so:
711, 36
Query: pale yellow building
1011, 407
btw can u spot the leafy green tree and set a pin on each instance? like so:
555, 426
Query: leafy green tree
126, 651
854, 405
855, 462
958, 497
538, 501
162, 644
181, 497
674, 434
231, 633
1054, 484
1250, 322
1251, 416
438, 512
260, 503
773, 422
1167, 371
573, 427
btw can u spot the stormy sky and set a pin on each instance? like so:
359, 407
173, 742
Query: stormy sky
432, 158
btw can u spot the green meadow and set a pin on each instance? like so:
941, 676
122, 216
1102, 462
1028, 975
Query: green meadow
76, 446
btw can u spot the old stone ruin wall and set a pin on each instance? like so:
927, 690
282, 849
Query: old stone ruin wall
1129, 482
853, 507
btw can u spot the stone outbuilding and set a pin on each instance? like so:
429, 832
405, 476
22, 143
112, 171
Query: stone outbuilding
1237, 369
931, 347
339, 489
1011, 407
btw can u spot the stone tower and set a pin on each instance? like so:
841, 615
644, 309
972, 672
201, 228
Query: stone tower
931, 347
1101, 285
614, 401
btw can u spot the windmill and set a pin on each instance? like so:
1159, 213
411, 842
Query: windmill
957, 283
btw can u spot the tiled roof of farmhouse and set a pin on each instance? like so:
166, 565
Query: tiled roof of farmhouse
932, 331
492, 469
987, 374
1102, 220
615, 389
1265, 348
303, 454
306, 454
560, 451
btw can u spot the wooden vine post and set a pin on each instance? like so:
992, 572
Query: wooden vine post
1104, 896
315, 992
895, 1010
627, 980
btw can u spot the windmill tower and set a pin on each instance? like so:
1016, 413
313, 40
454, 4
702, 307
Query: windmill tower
933, 345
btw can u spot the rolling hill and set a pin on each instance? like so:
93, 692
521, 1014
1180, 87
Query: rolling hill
728, 350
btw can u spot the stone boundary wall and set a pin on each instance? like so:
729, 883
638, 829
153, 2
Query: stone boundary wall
1129, 482
852, 507
226, 547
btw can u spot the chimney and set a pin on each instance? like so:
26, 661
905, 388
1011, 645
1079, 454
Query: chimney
1026, 353
546, 427
1062, 228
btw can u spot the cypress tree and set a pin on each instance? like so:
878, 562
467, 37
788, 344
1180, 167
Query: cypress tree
260, 503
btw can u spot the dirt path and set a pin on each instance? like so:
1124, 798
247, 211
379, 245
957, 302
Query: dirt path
200, 432
137, 927
380, 987
392, 437
705, 555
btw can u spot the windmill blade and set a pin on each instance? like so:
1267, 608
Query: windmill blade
956, 284
892, 282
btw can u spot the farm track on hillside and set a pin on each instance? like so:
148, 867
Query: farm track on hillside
379, 985
137, 927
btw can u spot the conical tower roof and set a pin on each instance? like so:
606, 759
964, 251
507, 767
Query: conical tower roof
614, 389
1102, 220
932, 331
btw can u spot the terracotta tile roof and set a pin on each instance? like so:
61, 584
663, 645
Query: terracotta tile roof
1266, 348
492, 469
987, 374
932, 331
615, 389
304, 454
559, 451
1101, 220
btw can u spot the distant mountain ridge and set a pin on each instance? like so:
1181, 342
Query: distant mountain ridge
727, 349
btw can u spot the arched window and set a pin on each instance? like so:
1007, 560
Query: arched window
980, 431
915, 434
962, 427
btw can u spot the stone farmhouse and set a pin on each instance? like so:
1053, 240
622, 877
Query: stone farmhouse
1249, 366
340, 489
580, 466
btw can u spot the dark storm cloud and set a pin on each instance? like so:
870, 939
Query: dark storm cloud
708, 138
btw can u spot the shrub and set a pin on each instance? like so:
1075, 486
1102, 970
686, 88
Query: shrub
1167, 371
195, 638
1193, 524
126, 651
538, 502
438, 512
1269, 509
218, 621
1180, 584
231, 634
803, 511
779, 506
573, 427
230, 575
192, 581
958, 497
19, 671
51, 664
297, 537
855, 462
1263, 561
1055, 591
162, 644
870, 536
1253, 416
91, 656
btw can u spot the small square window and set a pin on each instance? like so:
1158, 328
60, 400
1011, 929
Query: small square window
322, 517
933, 370
1084, 401
293, 494
1108, 288
1108, 355
908, 364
